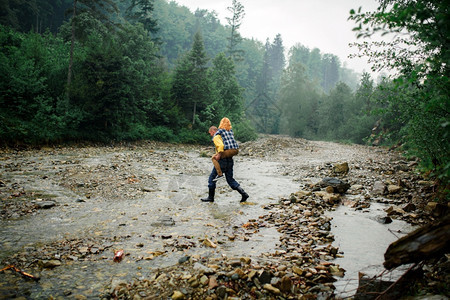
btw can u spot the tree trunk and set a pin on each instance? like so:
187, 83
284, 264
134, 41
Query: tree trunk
424, 243
193, 115
72, 42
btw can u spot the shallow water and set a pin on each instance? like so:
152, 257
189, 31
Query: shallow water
363, 241
122, 216
135, 225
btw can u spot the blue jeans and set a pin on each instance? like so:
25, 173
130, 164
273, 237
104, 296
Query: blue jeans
226, 164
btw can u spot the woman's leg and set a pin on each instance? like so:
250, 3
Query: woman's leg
229, 153
217, 166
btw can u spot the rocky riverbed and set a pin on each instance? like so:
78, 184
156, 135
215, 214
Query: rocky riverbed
67, 211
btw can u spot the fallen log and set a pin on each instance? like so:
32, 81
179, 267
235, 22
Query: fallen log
427, 242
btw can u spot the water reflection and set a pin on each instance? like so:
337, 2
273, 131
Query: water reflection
363, 241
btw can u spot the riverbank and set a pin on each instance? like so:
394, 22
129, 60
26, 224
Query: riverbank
65, 211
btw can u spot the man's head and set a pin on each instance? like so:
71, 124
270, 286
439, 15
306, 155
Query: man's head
212, 130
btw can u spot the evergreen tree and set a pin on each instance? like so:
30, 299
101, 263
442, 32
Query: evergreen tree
191, 83
98, 9
228, 100
330, 71
298, 102
142, 11
238, 13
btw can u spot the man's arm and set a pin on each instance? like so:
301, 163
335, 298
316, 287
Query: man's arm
218, 143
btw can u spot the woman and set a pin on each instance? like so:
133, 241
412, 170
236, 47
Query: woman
230, 146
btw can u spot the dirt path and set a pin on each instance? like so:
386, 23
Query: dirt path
144, 199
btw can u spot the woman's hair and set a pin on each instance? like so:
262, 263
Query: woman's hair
225, 124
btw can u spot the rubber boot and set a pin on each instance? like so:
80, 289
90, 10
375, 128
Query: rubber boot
210, 197
243, 193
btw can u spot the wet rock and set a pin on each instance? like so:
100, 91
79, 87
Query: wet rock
212, 284
384, 220
340, 169
183, 259
50, 264
393, 189
286, 284
409, 207
336, 271
208, 243
44, 204
221, 292
338, 185
328, 197
265, 277
379, 188
272, 289
395, 210
297, 270
177, 295
246, 260
164, 221
208, 271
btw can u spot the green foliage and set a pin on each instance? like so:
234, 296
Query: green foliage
235, 21
324, 69
29, 99
191, 85
298, 101
244, 131
417, 101
227, 93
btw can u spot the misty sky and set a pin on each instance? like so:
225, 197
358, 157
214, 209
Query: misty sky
313, 23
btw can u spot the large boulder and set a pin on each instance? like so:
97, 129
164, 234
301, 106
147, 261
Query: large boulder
339, 186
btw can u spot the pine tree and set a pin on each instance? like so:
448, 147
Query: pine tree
191, 84
238, 13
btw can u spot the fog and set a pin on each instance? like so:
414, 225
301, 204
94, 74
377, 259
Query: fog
319, 24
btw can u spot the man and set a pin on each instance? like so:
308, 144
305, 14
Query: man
226, 164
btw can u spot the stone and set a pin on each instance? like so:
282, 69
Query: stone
393, 189
297, 270
286, 284
265, 277
221, 292
378, 188
336, 271
384, 220
204, 280
329, 189
44, 204
272, 289
409, 207
164, 221
338, 185
246, 260
340, 169
357, 187
395, 210
328, 197
207, 242
204, 269
177, 295
212, 284
302, 194
183, 259
51, 263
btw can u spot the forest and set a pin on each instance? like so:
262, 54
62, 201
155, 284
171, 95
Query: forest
126, 70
